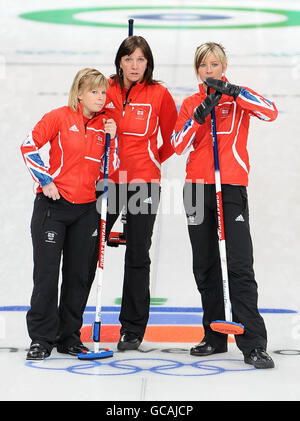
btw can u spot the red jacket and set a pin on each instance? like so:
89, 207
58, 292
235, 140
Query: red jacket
140, 112
75, 156
232, 122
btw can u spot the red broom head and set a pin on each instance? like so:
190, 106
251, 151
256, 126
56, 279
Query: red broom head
229, 328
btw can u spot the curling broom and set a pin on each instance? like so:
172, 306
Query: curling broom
103, 353
226, 326
89, 355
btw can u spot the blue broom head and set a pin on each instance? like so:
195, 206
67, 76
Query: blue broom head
90, 355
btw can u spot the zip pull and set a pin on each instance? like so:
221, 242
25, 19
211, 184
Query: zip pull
90, 119
124, 105
126, 97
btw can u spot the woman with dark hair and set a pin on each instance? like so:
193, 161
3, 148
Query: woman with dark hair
142, 107
127, 48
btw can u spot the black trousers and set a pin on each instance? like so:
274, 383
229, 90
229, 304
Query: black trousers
60, 230
140, 201
207, 268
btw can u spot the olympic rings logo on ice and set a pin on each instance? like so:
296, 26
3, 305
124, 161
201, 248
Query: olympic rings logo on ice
137, 365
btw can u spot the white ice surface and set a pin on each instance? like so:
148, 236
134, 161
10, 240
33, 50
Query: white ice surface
37, 64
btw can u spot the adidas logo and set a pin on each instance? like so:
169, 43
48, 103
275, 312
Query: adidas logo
240, 218
110, 105
74, 128
148, 200
95, 233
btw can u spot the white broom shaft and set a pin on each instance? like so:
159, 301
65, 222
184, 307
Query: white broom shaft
221, 230
222, 247
100, 271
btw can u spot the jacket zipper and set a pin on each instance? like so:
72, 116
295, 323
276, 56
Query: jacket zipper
126, 97
85, 125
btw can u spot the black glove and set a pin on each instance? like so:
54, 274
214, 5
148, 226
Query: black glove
224, 87
202, 111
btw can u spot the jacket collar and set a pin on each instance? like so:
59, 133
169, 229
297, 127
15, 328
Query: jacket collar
139, 85
114, 83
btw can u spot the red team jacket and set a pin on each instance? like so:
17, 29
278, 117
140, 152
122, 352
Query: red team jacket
139, 113
232, 121
76, 153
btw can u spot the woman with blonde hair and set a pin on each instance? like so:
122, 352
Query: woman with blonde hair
64, 221
234, 105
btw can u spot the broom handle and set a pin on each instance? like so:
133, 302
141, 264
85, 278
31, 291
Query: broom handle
130, 27
220, 216
97, 324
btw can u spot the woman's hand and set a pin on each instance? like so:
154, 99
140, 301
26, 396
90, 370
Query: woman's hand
202, 111
50, 190
110, 127
224, 87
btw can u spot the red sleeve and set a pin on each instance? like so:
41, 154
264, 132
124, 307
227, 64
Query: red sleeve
112, 105
186, 127
257, 105
44, 131
167, 120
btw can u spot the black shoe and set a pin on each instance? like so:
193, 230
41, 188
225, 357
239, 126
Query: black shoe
37, 352
259, 358
204, 348
71, 349
128, 341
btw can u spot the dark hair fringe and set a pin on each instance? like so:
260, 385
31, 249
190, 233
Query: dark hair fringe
127, 47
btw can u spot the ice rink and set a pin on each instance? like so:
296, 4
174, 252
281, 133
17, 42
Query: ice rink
43, 44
